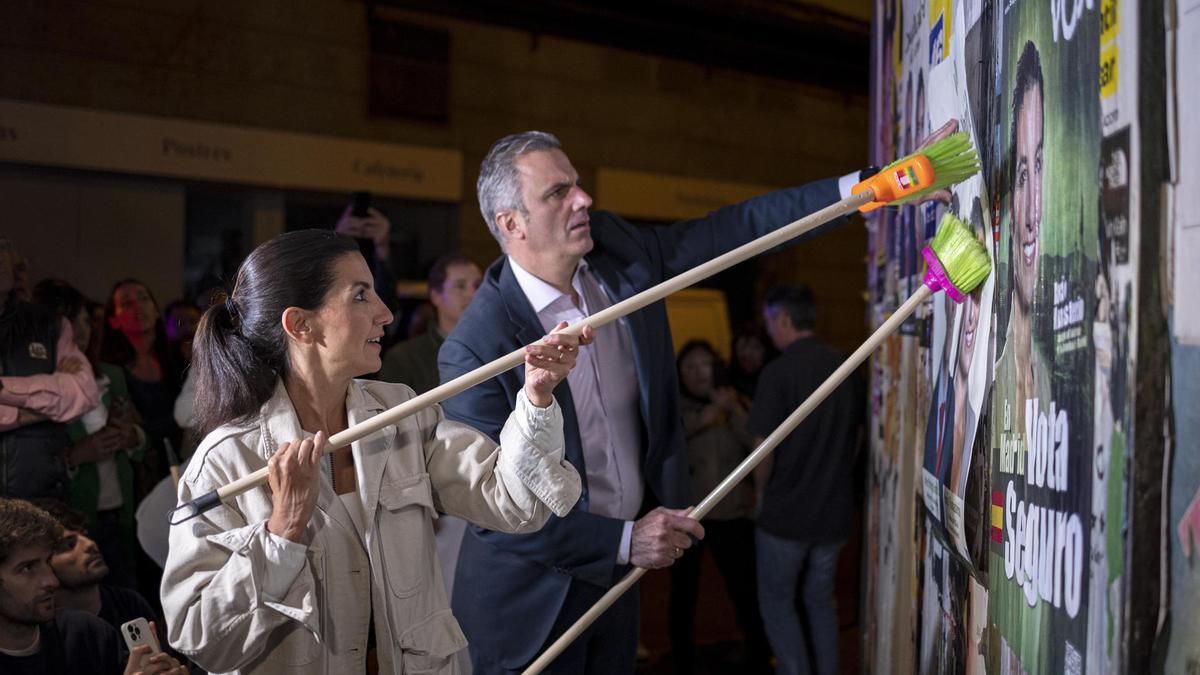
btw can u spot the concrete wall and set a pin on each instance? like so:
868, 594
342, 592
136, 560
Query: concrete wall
303, 67
93, 231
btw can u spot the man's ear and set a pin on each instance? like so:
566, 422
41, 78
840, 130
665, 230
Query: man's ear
298, 325
511, 224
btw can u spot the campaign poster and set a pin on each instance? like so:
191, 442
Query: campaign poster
1114, 335
1112, 407
1042, 402
960, 347
946, 638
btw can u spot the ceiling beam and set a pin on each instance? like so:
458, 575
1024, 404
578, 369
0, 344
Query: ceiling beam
788, 40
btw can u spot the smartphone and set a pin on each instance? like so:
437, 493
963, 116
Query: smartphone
362, 204
137, 633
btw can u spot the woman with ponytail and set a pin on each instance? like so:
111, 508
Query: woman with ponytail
334, 565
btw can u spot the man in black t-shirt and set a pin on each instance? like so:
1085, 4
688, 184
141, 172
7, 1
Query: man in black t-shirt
805, 488
34, 640
80, 568
72, 642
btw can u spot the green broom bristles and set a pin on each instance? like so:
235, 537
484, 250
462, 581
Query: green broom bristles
963, 257
954, 160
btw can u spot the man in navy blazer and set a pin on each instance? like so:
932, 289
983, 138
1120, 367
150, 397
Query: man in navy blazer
515, 594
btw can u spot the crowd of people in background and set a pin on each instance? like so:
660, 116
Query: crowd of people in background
82, 435
99, 412
117, 398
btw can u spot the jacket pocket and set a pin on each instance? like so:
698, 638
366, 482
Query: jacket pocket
430, 646
292, 644
405, 533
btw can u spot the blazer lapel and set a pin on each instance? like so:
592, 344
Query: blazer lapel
527, 328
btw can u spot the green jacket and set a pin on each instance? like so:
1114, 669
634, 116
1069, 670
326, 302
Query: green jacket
85, 483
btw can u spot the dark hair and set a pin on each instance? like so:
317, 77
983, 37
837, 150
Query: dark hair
23, 524
1029, 76
59, 297
693, 345
746, 381
720, 376
115, 348
753, 332
171, 326
797, 302
67, 517
176, 305
240, 348
437, 273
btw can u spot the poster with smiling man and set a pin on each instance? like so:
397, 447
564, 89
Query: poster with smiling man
1041, 409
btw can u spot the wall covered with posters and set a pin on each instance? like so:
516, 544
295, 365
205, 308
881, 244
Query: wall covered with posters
999, 490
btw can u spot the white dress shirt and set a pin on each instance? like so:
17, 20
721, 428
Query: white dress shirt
604, 389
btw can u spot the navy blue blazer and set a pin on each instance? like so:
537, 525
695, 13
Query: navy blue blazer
509, 589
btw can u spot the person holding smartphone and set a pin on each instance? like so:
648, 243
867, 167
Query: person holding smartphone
84, 581
37, 637
372, 230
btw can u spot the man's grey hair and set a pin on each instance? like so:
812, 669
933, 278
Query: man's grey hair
499, 184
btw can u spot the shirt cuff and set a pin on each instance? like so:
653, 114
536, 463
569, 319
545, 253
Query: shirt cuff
847, 183
542, 426
626, 539
285, 559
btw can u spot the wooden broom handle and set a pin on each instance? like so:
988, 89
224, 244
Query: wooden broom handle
726, 486
189, 510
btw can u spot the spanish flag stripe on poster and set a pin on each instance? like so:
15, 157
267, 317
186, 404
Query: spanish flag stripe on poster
998, 517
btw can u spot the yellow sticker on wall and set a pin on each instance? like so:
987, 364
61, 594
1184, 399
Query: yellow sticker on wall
1110, 21
1108, 70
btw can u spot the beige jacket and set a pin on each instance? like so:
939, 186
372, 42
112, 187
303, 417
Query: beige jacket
212, 590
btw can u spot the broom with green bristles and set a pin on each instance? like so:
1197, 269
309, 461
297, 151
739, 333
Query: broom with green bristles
956, 262
938, 165
944, 163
